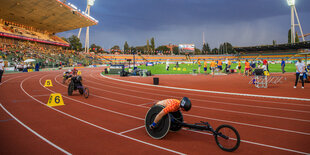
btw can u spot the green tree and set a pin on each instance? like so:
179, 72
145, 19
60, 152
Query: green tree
274, 42
147, 45
96, 47
197, 51
214, 51
115, 47
163, 49
296, 38
65, 39
205, 49
153, 44
226, 47
126, 47
289, 37
132, 50
175, 50
75, 43
140, 49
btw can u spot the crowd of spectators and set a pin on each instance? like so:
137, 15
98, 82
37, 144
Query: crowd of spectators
44, 56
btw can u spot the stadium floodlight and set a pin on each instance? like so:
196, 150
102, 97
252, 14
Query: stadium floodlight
291, 2
90, 2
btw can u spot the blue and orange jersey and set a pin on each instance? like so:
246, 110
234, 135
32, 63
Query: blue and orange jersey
205, 64
229, 62
219, 63
213, 64
171, 105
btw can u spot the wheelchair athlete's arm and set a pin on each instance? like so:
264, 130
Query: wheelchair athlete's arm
159, 116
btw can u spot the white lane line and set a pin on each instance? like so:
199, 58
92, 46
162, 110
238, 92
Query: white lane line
222, 97
220, 120
214, 92
264, 145
81, 120
132, 129
35, 133
246, 124
42, 95
260, 144
254, 114
211, 101
216, 109
9, 80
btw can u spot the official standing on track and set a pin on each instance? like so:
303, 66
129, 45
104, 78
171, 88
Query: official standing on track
1, 69
300, 71
283, 66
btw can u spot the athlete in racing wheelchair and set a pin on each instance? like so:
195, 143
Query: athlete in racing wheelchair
166, 116
76, 84
68, 74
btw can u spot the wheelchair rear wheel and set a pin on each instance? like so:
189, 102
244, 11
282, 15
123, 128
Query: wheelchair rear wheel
175, 121
70, 89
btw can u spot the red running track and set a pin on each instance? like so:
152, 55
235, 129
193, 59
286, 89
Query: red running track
111, 120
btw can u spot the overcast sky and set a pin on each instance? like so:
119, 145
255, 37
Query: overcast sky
240, 22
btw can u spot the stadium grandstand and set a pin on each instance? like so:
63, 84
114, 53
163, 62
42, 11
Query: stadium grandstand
28, 28
269, 52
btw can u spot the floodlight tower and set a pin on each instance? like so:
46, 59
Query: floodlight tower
87, 11
291, 3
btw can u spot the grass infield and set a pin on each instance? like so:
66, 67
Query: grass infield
161, 68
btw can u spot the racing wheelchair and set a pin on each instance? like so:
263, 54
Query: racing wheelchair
76, 84
226, 136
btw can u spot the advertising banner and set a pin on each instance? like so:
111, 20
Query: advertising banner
187, 48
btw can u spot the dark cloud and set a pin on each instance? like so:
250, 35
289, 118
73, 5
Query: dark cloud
177, 21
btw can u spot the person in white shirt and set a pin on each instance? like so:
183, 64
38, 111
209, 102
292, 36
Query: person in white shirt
300, 71
167, 65
1, 69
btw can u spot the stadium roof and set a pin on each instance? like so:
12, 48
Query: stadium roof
294, 46
50, 15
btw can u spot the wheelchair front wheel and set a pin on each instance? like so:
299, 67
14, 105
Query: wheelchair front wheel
227, 138
86, 92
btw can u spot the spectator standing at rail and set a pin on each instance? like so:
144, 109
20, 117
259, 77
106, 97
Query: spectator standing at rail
228, 65
246, 68
1, 69
283, 66
265, 62
199, 65
239, 67
219, 65
300, 71
212, 67
205, 66
167, 65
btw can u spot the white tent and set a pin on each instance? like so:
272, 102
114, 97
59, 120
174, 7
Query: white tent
30, 60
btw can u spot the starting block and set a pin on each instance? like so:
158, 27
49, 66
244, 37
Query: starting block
179, 69
48, 83
174, 68
184, 69
55, 100
79, 73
